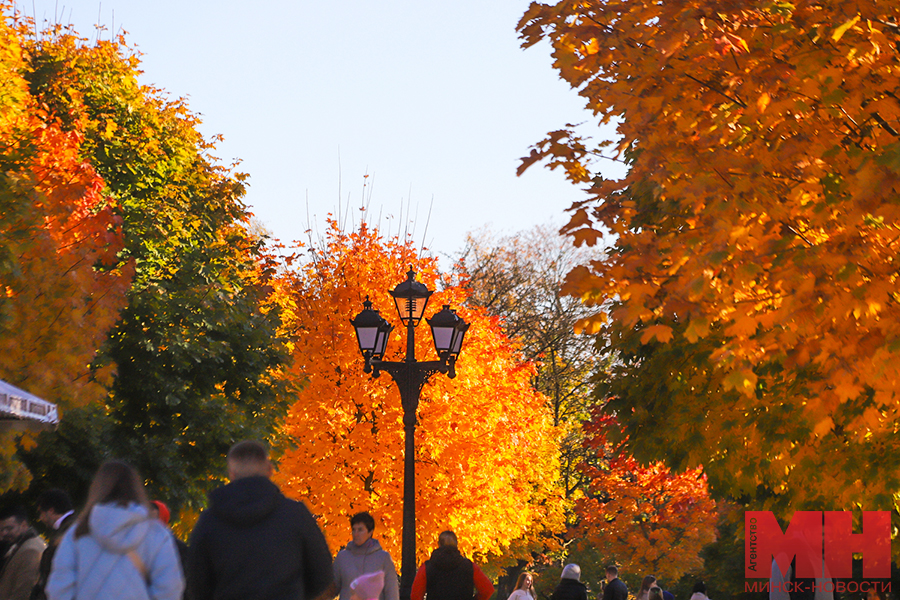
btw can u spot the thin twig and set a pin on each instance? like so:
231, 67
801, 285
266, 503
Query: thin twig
427, 221
720, 92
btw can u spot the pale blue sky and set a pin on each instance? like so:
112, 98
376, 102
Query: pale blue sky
432, 100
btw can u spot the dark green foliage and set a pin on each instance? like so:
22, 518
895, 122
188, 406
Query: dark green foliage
68, 457
196, 351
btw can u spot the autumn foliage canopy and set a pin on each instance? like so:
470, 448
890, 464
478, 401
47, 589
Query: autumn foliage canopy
61, 283
756, 233
132, 293
646, 519
486, 454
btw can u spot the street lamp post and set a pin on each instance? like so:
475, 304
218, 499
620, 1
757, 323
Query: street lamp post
410, 375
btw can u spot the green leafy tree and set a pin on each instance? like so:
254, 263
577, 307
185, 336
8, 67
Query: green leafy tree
196, 351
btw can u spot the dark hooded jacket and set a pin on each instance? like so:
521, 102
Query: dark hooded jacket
253, 543
570, 589
449, 575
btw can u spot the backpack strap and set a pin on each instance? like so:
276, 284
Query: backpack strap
139, 565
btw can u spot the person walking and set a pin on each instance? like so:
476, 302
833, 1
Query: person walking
362, 555
570, 586
699, 591
524, 589
159, 510
448, 575
648, 582
56, 512
615, 588
114, 549
253, 543
21, 563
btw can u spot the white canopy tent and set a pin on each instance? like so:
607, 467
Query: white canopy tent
21, 410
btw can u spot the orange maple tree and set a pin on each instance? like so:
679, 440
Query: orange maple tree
131, 291
646, 519
486, 458
756, 232
61, 284
60, 290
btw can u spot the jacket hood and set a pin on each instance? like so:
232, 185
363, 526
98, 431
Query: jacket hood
370, 547
246, 501
447, 558
119, 529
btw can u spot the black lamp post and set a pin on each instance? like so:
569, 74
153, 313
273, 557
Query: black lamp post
372, 332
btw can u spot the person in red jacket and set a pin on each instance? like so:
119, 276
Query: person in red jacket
448, 575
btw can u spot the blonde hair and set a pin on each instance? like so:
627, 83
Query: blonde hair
248, 458
116, 482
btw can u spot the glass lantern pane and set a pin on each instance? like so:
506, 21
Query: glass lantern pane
442, 338
381, 342
418, 307
457, 342
367, 336
411, 308
403, 308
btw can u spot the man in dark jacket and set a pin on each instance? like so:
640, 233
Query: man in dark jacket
570, 586
615, 587
253, 543
448, 575
56, 512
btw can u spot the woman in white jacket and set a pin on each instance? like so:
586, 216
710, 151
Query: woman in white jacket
524, 587
114, 549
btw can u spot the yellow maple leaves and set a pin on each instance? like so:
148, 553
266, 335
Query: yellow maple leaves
840, 31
